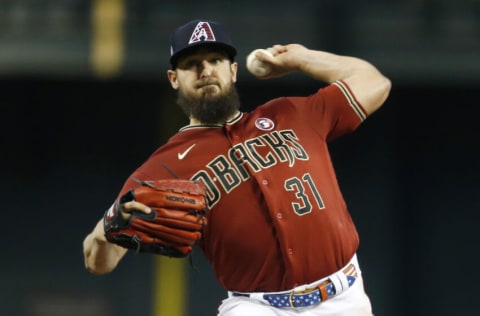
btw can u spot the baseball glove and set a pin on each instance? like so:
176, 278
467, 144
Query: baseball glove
171, 229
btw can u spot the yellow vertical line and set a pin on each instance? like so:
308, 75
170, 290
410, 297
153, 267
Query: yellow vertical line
107, 42
169, 294
170, 280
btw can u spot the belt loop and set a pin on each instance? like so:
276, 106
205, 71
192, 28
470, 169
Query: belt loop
340, 282
258, 296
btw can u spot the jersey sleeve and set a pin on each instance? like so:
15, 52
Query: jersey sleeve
333, 111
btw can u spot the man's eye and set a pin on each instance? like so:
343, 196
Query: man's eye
190, 64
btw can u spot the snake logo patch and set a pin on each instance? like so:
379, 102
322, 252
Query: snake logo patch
264, 124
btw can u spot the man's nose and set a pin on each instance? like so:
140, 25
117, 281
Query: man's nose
206, 69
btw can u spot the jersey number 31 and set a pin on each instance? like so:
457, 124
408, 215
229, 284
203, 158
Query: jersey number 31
302, 187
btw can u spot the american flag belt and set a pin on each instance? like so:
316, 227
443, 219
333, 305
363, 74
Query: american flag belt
334, 285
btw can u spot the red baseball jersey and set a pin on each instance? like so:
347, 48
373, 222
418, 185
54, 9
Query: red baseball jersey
277, 218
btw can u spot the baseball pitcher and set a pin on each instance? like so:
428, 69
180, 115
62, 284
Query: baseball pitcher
255, 191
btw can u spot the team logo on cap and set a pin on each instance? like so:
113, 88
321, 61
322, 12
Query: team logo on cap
202, 32
264, 124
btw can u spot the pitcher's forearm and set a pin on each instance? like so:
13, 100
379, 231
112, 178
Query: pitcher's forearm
369, 86
100, 255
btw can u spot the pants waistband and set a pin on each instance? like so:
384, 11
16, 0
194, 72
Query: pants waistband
310, 294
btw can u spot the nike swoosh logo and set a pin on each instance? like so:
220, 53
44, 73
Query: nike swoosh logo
182, 155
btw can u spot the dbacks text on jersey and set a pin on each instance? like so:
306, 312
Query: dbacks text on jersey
251, 156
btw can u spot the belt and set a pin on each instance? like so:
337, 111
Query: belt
332, 286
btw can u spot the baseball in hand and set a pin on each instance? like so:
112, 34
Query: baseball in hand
257, 67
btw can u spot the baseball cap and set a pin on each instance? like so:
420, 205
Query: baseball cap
200, 32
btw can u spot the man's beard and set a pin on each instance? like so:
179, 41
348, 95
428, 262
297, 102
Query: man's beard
209, 108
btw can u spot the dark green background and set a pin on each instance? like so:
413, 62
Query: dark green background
68, 140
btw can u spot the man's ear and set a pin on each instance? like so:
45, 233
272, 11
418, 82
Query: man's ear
172, 77
234, 70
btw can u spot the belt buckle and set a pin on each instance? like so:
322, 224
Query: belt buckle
293, 293
292, 301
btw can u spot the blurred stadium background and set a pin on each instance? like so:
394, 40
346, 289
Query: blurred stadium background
84, 99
